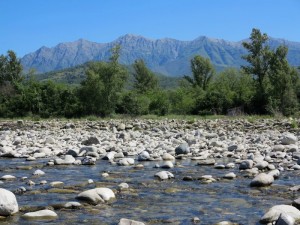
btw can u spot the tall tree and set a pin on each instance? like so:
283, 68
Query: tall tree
202, 70
10, 68
101, 89
283, 79
144, 79
258, 59
274, 77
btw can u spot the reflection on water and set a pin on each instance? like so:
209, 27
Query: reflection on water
148, 199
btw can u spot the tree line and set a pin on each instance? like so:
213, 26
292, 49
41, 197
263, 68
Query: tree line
266, 84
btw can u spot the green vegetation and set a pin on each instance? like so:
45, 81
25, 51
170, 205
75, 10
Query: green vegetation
267, 85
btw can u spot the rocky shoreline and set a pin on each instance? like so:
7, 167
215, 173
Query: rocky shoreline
259, 151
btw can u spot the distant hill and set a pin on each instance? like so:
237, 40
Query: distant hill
166, 56
74, 75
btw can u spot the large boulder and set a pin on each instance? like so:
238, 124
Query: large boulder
41, 214
288, 139
285, 219
67, 160
96, 195
129, 222
274, 213
8, 203
182, 149
126, 162
164, 175
144, 156
261, 180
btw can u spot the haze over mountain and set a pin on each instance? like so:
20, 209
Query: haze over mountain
167, 56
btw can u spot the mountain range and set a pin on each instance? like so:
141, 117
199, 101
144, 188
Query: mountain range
166, 56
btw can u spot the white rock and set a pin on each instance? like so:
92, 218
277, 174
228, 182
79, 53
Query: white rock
8, 203
168, 156
167, 165
230, 175
274, 213
285, 219
164, 175
72, 205
7, 177
288, 139
41, 214
275, 173
261, 165
38, 173
96, 195
123, 186
143, 156
124, 221
126, 162
262, 179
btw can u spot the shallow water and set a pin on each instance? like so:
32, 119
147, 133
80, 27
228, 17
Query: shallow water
149, 200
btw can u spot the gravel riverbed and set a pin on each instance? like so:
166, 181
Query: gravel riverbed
135, 172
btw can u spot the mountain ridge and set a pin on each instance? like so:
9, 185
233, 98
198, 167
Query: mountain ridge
167, 55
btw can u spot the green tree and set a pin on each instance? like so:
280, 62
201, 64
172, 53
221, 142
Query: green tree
202, 71
10, 68
100, 92
144, 79
258, 59
283, 79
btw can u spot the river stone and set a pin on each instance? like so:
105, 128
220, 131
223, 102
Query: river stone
67, 160
126, 162
296, 203
232, 147
206, 162
8, 177
230, 165
88, 161
39, 155
261, 180
121, 126
167, 165
219, 166
38, 173
275, 173
246, 164
96, 195
274, 213
109, 156
91, 141
143, 156
41, 214
168, 156
288, 139
57, 184
72, 205
124, 221
261, 165
164, 175
230, 175
182, 149
8, 203
278, 148
225, 223
123, 186
285, 219
73, 152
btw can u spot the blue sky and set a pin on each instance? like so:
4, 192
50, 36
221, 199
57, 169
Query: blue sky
26, 25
